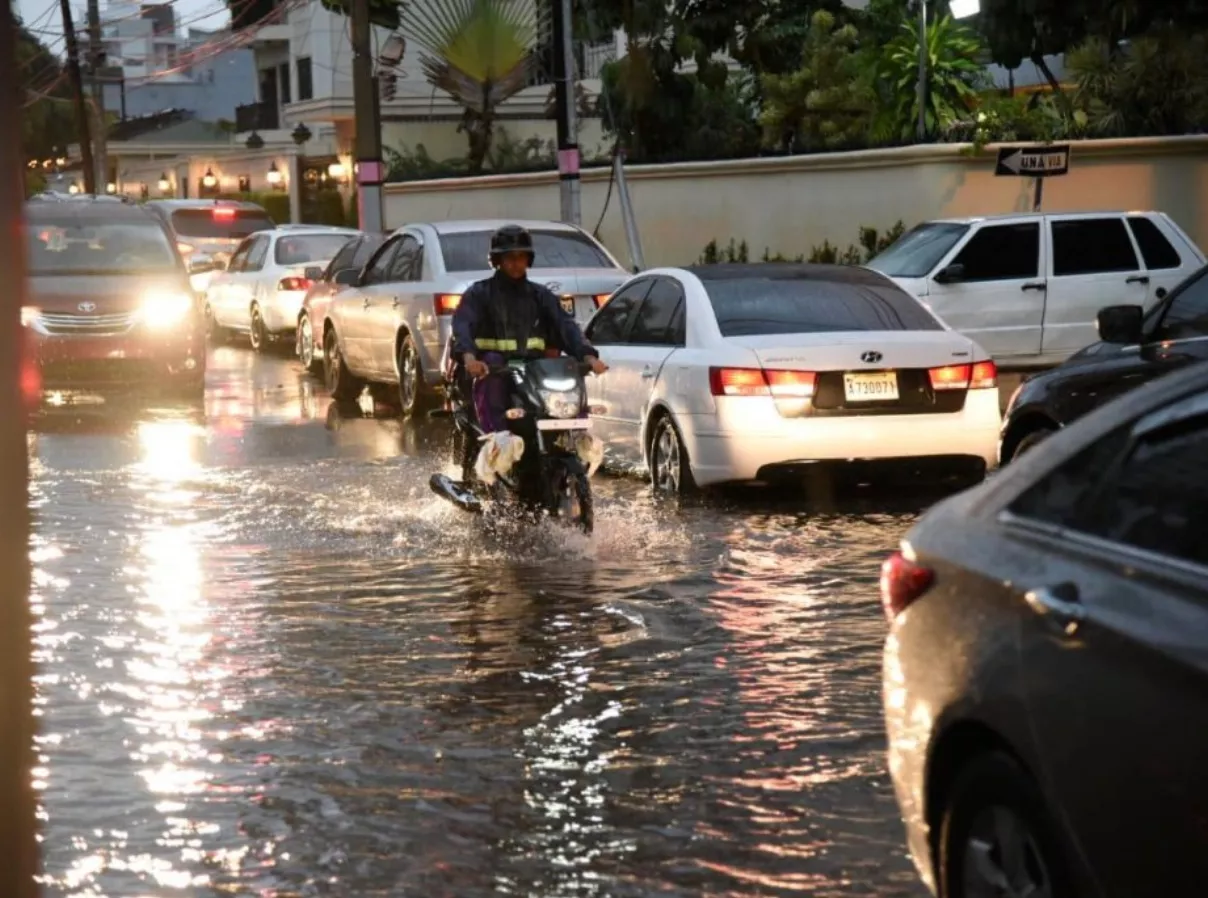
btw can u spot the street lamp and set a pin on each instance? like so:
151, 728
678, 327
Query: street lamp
960, 9
208, 180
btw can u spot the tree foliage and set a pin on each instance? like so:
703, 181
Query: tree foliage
47, 123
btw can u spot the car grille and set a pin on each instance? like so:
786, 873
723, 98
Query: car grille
86, 325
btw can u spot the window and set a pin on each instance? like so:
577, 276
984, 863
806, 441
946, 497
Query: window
306, 82
344, 259
305, 249
206, 225
919, 250
468, 250
1059, 497
257, 254
765, 305
240, 256
379, 269
1091, 246
366, 248
283, 80
1157, 499
408, 262
71, 246
653, 324
1008, 252
612, 321
1155, 248
1187, 314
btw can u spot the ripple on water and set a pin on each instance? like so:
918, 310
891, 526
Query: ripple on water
314, 678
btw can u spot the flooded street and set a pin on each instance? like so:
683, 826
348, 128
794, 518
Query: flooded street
273, 663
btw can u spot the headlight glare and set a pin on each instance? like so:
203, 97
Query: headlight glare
165, 309
562, 404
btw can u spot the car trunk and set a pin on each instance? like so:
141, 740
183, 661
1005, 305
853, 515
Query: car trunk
860, 373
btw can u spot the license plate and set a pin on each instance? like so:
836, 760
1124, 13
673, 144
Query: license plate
871, 387
565, 424
568, 304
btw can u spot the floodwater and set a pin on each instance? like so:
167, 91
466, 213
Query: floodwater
272, 663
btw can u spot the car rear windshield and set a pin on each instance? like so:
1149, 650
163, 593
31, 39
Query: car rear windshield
768, 306
68, 247
468, 250
219, 223
916, 253
303, 249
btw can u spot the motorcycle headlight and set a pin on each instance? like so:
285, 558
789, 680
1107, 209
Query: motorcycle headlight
165, 309
562, 403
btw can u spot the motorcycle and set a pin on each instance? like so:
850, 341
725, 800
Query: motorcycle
548, 411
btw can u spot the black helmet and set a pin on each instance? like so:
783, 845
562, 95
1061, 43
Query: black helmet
511, 239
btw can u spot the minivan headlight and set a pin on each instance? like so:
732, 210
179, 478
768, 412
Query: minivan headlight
164, 309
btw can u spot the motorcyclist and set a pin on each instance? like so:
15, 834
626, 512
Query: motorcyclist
508, 316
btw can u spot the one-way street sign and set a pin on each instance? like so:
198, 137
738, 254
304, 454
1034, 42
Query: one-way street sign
1033, 162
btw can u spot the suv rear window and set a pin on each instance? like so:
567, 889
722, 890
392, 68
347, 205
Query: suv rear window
211, 224
767, 306
468, 251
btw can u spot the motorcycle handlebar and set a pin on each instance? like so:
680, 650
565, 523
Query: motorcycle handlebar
584, 369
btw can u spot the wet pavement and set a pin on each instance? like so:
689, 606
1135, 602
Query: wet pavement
273, 663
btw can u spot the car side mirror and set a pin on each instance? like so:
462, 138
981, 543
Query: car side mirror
313, 273
1120, 324
346, 277
204, 264
953, 274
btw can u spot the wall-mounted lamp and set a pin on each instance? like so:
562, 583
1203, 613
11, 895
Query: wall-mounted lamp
73, 187
335, 171
164, 184
208, 180
111, 187
274, 177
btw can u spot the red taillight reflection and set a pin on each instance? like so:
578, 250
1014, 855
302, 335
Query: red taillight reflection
294, 283
446, 303
791, 384
738, 382
601, 298
31, 375
902, 582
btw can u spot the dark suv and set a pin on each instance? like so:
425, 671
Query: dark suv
110, 303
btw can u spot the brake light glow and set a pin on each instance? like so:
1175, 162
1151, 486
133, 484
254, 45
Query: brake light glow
601, 298
447, 303
985, 376
950, 377
791, 384
738, 382
224, 213
903, 581
294, 283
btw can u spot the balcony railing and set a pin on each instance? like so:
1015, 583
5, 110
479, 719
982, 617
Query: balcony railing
256, 117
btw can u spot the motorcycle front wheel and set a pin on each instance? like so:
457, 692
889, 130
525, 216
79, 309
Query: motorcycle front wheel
574, 502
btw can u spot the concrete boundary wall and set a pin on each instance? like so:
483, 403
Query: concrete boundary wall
790, 204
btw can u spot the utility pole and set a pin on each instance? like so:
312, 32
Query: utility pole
77, 93
370, 172
18, 825
922, 85
564, 101
96, 58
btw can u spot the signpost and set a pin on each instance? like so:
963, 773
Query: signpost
1034, 162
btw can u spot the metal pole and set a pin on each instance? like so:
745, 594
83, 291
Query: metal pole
1038, 197
370, 172
296, 185
18, 826
627, 216
564, 100
96, 53
922, 86
77, 91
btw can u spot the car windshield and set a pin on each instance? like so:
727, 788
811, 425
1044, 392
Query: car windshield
468, 250
758, 306
302, 249
919, 250
68, 247
220, 223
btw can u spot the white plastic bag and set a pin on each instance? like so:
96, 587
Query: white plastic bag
499, 452
590, 450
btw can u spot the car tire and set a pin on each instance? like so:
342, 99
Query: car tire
257, 334
215, 334
1032, 440
343, 385
304, 346
412, 395
670, 471
994, 807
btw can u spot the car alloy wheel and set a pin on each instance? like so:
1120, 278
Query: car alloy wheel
669, 471
408, 376
305, 344
1002, 858
256, 333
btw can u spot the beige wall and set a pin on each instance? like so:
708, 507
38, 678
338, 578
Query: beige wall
790, 205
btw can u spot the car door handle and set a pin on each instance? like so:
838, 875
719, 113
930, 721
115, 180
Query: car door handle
1060, 604
647, 373
1035, 285
1138, 279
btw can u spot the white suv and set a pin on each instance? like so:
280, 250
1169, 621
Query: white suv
1028, 287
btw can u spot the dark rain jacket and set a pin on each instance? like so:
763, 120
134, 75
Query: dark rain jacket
515, 318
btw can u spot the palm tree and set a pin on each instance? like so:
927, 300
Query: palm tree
477, 51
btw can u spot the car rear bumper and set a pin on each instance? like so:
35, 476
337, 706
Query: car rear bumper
747, 439
280, 310
127, 360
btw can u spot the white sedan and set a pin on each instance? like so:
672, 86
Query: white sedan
260, 291
738, 373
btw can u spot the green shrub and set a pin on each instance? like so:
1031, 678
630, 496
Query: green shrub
871, 243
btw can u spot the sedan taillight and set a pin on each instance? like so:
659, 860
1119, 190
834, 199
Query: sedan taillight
446, 303
978, 376
294, 283
902, 582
